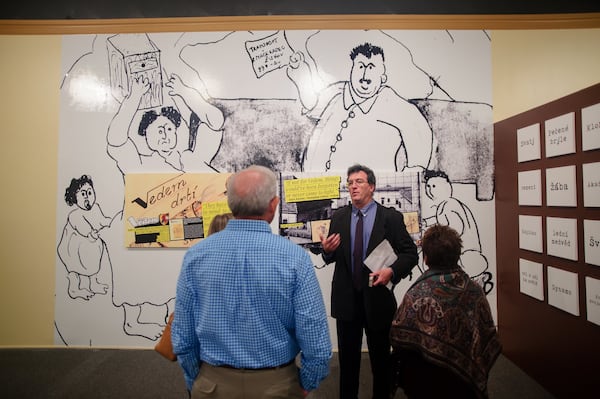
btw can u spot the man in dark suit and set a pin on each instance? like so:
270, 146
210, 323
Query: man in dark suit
360, 297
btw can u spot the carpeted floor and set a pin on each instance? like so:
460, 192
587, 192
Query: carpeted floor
117, 373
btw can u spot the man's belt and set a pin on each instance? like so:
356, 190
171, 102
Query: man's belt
259, 368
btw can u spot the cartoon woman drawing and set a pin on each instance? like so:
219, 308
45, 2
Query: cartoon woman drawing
80, 248
161, 130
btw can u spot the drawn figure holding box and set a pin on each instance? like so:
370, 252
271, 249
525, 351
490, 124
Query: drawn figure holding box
146, 305
161, 130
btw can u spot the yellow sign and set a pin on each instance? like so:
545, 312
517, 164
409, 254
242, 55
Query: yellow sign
212, 209
166, 209
311, 189
291, 225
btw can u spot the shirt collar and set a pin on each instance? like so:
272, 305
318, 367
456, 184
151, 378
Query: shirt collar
365, 210
365, 105
248, 224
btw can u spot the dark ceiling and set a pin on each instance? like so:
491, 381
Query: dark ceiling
114, 9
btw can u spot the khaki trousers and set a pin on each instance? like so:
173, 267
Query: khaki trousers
226, 383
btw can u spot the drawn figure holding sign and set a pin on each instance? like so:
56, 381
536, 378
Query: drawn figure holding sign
268, 53
362, 109
80, 248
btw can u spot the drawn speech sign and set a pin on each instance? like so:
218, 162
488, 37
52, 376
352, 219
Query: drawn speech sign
269, 53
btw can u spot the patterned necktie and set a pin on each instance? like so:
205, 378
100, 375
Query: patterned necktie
358, 252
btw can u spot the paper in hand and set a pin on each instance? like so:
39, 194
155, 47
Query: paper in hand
382, 256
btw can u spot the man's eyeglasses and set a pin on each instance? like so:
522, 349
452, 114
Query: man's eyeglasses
359, 182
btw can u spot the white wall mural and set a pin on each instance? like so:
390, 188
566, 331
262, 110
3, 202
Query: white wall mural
301, 102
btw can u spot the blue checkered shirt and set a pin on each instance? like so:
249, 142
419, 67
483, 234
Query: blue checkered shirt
249, 298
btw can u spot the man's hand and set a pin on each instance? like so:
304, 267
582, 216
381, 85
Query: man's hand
383, 276
330, 243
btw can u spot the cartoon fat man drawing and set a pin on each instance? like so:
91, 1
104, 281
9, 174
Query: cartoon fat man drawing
361, 120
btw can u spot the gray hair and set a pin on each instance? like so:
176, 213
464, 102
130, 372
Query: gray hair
250, 191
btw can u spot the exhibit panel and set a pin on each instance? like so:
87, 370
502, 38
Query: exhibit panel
548, 274
179, 107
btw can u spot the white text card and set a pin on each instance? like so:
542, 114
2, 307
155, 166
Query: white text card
532, 278
590, 127
563, 290
528, 143
530, 233
530, 188
592, 299
591, 184
560, 135
561, 237
561, 188
591, 241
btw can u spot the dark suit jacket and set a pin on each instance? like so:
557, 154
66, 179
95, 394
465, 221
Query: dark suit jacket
379, 302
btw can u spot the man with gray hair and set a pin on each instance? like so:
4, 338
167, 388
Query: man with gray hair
248, 302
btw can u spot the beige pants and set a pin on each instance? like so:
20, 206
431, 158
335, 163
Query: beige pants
225, 383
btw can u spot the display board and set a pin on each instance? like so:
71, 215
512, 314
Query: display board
403, 102
548, 219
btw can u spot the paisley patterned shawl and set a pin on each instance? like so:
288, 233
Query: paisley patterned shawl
447, 318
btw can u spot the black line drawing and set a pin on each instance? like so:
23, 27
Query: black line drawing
448, 126
141, 73
261, 125
347, 110
464, 136
81, 248
254, 114
138, 83
450, 211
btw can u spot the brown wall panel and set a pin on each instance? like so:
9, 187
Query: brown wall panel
558, 349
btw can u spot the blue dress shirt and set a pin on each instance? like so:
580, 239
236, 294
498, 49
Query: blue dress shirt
249, 298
